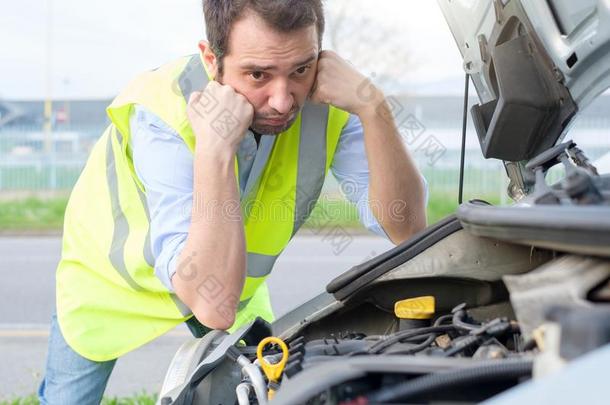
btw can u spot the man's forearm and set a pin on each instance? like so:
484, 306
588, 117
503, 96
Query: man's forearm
215, 248
396, 191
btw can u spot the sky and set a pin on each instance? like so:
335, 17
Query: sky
92, 49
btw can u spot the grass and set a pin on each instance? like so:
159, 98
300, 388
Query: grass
441, 205
29, 400
137, 399
41, 215
32, 214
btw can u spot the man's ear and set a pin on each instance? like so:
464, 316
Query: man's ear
209, 58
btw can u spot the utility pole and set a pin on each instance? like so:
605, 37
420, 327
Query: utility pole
49, 151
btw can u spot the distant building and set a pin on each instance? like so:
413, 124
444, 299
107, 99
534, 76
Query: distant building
432, 111
67, 114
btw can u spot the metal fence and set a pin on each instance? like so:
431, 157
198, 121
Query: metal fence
33, 161
36, 161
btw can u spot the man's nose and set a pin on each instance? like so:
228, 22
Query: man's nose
281, 100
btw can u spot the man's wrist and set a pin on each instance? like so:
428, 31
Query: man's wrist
224, 156
375, 112
374, 105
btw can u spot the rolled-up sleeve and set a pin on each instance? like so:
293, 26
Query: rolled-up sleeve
350, 168
164, 165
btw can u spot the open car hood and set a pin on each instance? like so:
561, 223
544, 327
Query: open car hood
534, 64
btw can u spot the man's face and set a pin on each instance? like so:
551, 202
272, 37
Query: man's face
275, 71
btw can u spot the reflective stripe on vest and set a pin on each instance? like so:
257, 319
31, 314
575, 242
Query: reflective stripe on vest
121, 226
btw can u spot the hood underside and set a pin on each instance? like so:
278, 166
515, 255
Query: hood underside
534, 65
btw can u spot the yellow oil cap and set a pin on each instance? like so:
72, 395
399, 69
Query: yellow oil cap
415, 308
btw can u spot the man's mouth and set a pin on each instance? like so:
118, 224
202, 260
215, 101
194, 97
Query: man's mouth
276, 121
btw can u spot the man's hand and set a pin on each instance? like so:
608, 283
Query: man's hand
219, 117
338, 83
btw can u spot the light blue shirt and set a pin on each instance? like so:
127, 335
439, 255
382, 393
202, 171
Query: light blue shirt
164, 164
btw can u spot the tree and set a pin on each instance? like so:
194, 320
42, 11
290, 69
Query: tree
377, 49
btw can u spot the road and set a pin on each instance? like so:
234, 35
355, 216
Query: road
27, 270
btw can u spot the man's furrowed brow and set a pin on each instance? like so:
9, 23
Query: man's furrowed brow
258, 68
306, 61
263, 68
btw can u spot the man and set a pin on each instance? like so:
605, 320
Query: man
211, 164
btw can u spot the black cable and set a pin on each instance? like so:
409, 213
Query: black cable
430, 337
443, 318
463, 152
397, 337
416, 339
446, 379
464, 344
460, 324
401, 334
418, 348
406, 335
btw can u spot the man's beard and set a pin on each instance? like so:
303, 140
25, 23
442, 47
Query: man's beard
267, 129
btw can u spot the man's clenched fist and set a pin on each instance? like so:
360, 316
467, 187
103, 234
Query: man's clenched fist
219, 117
340, 84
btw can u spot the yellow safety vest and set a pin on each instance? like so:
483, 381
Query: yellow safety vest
109, 300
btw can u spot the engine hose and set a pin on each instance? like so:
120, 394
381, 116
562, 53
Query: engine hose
253, 372
452, 378
417, 348
243, 393
464, 344
458, 321
258, 382
380, 346
443, 318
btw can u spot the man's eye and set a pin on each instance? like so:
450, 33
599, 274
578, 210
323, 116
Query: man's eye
257, 75
302, 70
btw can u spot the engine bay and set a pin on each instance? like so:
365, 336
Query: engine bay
422, 331
455, 335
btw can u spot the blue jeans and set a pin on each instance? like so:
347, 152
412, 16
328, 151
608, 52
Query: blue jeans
69, 377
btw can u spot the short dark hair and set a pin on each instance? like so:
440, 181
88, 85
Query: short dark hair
282, 15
